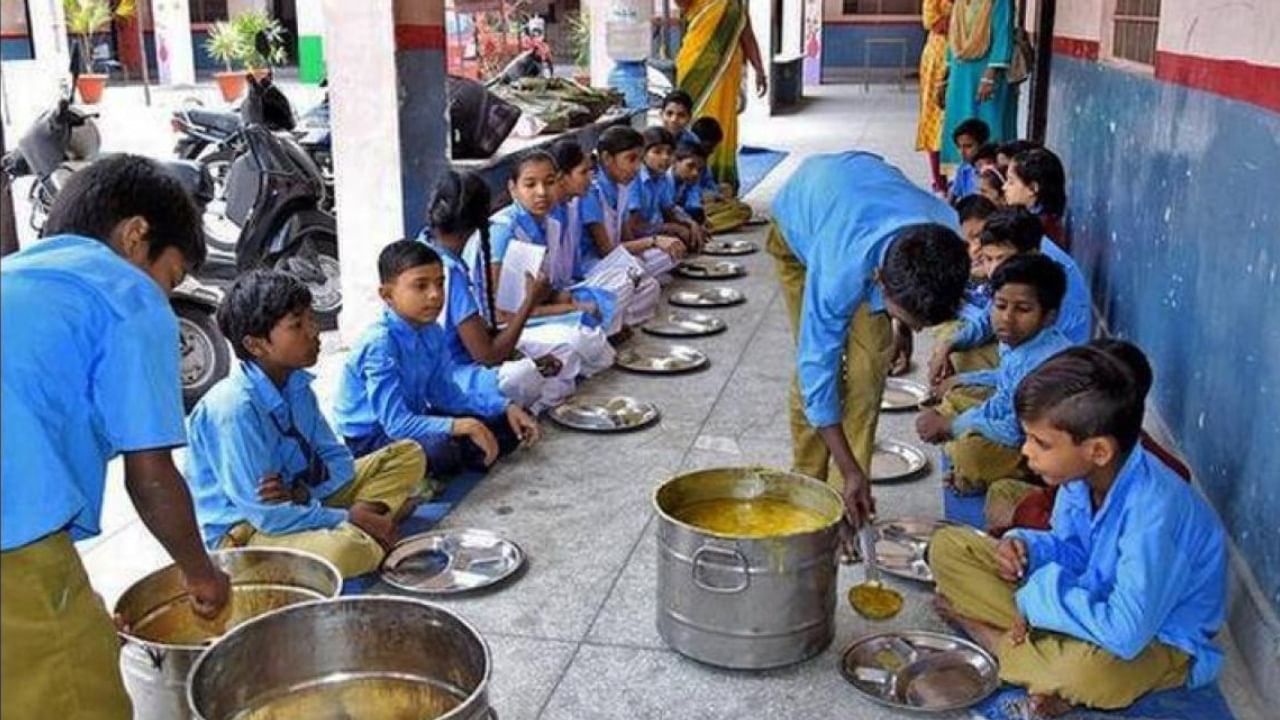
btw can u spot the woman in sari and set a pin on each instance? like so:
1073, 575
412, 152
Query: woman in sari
933, 73
980, 45
717, 39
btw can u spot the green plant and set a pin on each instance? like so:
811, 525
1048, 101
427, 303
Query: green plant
580, 37
248, 26
223, 44
85, 18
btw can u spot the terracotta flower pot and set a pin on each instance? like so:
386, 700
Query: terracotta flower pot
231, 84
90, 86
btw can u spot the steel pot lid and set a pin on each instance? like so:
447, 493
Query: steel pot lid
729, 247
707, 269
903, 394
708, 297
448, 562
901, 544
685, 324
894, 461
921, 671
605, 414
660, 359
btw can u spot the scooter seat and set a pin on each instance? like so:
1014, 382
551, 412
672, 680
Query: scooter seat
223, 122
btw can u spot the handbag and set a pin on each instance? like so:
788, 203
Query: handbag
1024, 53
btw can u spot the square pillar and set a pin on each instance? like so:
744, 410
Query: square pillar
171, 25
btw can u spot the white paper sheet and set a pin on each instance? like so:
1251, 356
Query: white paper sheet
521, 258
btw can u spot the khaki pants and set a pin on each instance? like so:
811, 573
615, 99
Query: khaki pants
61, 655
866, 365
389, 476
977, 462
983, 357
726, 214
1047, 663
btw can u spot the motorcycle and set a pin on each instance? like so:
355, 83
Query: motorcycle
64, 139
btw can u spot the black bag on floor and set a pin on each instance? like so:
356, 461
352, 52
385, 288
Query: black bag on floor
479, 120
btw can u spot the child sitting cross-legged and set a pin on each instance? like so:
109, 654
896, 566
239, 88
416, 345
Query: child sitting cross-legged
725, 212
1125, 591
984, 438
264, 467
398, 382
686, 174
654, 210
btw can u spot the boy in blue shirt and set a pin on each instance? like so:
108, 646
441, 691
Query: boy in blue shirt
686, 174
90, 373
1125, 592
968, 137
265, 468
677, 112
398, 380
983, 439
653, 199
725, 212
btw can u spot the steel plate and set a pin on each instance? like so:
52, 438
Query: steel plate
448, 562
685, 324
709, 297
921, 671
604, 414
901, 544
894, 461
729, 247
707, 269
903, 394
660, 359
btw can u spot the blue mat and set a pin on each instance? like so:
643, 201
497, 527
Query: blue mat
754, 164
423, 518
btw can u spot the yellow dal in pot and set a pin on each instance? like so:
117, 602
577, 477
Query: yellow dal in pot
755, 518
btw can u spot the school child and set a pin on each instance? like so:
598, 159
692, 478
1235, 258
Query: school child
982, 440
653, 198
856, 242
634, 295
1010, 232
725, 212
968, 137
554, 356
90, 373
991, 185
973, 212
986, 157
398, 380
1037, 181
686, 175
677, 112
265, 468
1125, 592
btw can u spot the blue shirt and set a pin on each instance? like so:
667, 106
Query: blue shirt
995, 419
687, 196
606, 203
511, 223
1075, 317
1150, 564
244, 429
460, 304
652, 195
838, 214
965, 182
90, 370
398, 379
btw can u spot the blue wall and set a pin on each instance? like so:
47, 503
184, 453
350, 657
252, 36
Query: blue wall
843, 46
1175, 215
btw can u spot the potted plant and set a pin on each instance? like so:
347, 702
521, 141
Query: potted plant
223, 45
86, 18
261, 41
580, 45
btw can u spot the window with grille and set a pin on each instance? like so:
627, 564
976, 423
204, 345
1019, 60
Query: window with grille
882, 7
1136, 23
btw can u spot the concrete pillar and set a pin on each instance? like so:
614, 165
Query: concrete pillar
175, 59
388, 98
792, 27
600, 62
762, 18
49, 36
310, 41
812, 42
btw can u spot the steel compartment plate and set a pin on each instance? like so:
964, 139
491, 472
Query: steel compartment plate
604, 414
901, 544
921, 671
448, 562
685, 324
660, 359
707, 297
718, 246
894, 461
903, 394
707, 269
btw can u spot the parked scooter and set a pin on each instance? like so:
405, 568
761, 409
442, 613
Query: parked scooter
63, 140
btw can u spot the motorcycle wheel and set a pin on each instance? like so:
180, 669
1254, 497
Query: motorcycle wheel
205, 353
319, 243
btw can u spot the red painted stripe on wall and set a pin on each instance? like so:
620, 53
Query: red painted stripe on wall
419, 37
1236, 79
1076, 47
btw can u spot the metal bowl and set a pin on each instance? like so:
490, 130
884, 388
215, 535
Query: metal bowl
685, 324
449, 562
895, 461
903, 394
901, 544
656, 359
368, 657
604, 414
707, 297
706, 269
921, 671
729, 247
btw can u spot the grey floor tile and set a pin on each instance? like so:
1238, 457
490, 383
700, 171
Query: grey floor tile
525, 671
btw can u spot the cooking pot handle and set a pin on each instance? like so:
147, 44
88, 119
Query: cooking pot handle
733, 555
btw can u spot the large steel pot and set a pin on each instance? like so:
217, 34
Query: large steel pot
155, 671
747, 603
354, 657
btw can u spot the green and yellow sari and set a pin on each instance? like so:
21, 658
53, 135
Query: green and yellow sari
709, 67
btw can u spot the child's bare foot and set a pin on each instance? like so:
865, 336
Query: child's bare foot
1049, 706
945, 610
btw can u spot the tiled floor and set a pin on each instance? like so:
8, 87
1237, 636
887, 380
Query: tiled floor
574, 637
